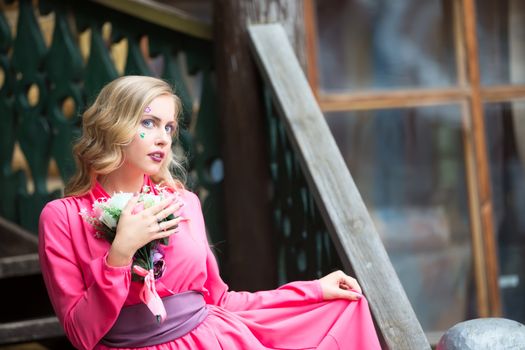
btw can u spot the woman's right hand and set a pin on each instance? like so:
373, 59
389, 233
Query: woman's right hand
134, 230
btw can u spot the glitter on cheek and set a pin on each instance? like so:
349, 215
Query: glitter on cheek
142, 135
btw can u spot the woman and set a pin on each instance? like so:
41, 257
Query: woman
126, 145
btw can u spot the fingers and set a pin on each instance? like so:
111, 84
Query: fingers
347, 294
155, 209
165, 212
164, 226
163, 234
162, 209
158, 212
338, 285
170, 224
347, 282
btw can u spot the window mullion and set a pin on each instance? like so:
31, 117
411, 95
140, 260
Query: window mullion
483, 242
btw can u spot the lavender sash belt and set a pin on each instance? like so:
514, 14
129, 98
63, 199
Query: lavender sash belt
137, 327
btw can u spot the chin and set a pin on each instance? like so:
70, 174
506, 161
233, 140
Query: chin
152, 172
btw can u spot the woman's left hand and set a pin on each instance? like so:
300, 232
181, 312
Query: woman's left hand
338, 285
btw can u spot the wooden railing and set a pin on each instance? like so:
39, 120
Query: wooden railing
335, 194
55, 58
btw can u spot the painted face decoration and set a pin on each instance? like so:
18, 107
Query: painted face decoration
146, 110
151, 143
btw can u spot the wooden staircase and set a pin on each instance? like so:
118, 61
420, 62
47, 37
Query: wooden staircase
27, 314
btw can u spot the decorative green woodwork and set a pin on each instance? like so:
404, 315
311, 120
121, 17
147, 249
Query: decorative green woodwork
99, 69
42, 83
11, 182
305, 249
65, 75
31, 94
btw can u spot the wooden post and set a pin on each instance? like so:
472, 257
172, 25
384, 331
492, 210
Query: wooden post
249, 221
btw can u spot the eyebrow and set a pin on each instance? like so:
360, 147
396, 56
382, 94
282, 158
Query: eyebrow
157, 118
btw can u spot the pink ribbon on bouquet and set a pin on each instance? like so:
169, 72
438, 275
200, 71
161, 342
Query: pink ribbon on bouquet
149, 295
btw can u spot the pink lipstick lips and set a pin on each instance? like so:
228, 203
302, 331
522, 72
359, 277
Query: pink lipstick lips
157, 156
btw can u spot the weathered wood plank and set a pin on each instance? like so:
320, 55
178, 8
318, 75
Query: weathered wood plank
336, 195
15, 239
19, 265
29, 330
162, 15
390, 99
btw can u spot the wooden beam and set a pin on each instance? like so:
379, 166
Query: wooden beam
30, 330
334, 102
502, 93
16, 239
310, 28
488, 255
250, 232
344, 213
476, 232
391, 99
162, 15
19, 265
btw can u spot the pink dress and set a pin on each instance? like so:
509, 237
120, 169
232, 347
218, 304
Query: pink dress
87, 294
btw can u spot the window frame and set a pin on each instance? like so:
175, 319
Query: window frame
471, 95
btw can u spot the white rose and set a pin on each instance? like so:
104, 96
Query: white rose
119, 200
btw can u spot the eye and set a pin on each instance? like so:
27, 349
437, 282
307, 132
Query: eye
169, 128
147, 123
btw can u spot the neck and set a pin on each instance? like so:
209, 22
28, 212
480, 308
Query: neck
117, 181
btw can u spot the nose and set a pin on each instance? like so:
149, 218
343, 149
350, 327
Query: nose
162, 138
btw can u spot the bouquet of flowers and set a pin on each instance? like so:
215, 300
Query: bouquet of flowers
148, 262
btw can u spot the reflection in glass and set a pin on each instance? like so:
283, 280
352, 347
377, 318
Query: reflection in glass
506, 150
385, 44
501, 41
408, 165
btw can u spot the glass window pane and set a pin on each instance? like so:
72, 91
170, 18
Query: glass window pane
505, 125
408, 165
501, 41
385, 44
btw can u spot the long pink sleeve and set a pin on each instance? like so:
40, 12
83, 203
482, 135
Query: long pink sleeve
294, 293
218, 294
87, 306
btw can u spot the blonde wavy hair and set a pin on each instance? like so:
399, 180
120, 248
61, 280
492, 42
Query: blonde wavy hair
109, 125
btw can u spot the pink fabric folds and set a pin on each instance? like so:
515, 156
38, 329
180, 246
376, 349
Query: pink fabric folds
149, 295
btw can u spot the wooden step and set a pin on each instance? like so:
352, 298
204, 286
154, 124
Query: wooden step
19, 265
16, 239
20, 281
30, 330
18, 251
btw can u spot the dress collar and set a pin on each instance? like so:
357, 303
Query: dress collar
99, 192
